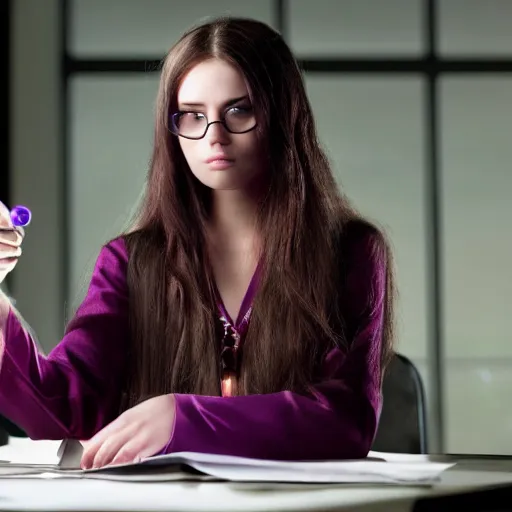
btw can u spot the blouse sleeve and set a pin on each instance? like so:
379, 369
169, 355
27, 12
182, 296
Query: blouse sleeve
74, 391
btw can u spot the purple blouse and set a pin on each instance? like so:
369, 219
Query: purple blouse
71, 392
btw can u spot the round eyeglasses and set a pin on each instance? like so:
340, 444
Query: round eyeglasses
194, 125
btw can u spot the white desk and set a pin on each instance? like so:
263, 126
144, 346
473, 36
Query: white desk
97, 495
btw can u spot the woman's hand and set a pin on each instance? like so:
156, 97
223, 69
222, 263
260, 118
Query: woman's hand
139, 432
10, 242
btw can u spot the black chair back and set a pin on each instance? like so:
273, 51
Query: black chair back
403, 426
7, 428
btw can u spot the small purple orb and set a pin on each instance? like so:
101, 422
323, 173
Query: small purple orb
20, 215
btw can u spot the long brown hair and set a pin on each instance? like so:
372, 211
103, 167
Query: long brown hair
296, 314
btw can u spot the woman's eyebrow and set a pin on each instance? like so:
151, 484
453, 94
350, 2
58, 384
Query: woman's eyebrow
228, 103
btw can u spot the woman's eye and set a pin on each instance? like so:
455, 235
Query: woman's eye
191, 116
240, 110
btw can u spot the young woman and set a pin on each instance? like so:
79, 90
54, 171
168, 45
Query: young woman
249, 309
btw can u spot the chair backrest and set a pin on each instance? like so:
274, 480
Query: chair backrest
7, 428
402, 427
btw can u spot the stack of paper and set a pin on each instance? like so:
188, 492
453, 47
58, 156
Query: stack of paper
375, 469
241, 469
21, 450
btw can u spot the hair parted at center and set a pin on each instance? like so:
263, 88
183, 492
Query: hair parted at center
297, 314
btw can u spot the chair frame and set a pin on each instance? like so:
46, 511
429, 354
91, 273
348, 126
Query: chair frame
422, 403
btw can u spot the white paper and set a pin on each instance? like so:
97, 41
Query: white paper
21, 450
239, 469
376, 468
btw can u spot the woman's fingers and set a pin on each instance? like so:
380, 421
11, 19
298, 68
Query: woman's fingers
12, 237
5, 216
111, 447
136, 448
10, 242
9, 251
104, 437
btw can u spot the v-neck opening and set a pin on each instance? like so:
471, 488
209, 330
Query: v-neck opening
246, 303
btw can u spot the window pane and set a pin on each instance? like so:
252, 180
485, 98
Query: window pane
355, 27
476, 117
475, 27
137, 28
111, 129
477, 210
478, 421
373, 131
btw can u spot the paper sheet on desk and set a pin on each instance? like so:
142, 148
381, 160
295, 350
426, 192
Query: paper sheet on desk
21, 450
239, 469
377, 468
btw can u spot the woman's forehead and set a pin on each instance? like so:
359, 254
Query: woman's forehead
213, 82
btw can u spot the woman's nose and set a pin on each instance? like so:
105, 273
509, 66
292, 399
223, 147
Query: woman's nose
217, 133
